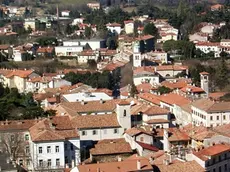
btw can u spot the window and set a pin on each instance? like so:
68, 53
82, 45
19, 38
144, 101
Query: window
219, 158
94, 132
217, 117
66, 159
27, 162
48, 149
27, 137
27, 150
105, 131
49, 163
142, 139
57, 148
224, 117
71, 146
219, 168
124, 112
57, 162
115, 131
20, 162
40, 163
211, 118
225, 156
40, 150
84, 133
214, 170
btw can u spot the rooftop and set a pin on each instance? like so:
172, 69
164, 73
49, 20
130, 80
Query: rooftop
111, 146
96, 121
88, 96
210, 106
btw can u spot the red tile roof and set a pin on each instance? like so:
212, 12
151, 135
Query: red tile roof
154, 99
156, 121
144, 37
45, 50
4, 47
211, 106
95, 121
110, 147
155, 110
177, 83
113, 25
140, 70
19, 73
171, 67
204, 73
124, 166
192, 89
217, 149
148, 146
172, 99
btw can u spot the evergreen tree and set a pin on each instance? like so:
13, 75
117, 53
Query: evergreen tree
222, 74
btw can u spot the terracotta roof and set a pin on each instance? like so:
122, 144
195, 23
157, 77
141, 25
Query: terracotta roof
155, 110
87, 53
5, 72
190, 166
172, 98
216, 7
113, 66
176, 134
204, 73
154, 99
128, 21
177, 83
216, 95
171, 67
145, 88
143, 70
148, 146
210, 151
156, 121
123, 102
4, 47
113, 25
211, 106
40, 79
19, 73
209, 44
91, 106
82, 71
111, 146
52, 129
17, 124
192, 89
223, 130
45, 49
95, 121
124, 166
136, 131
144, 37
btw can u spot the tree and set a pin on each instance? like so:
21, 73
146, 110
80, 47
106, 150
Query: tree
13, 143
29, 29
151, 29
133, 90
222, 78
88, 32
68, 29
224, 54
164, 90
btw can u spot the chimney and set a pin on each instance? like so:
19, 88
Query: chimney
119, 158
82, 102
101, 101
138, 164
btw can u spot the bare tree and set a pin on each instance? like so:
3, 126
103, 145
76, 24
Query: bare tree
14, 144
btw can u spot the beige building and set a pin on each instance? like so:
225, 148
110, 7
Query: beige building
32, 23
129, 26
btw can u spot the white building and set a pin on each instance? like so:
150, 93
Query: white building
114, 27
87, 96
169, 71
210, 113
65, 13
48, 143
213, 158
145, 75
93, 43
78, 21
40, 83
68, 50
129, 26
208, 47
